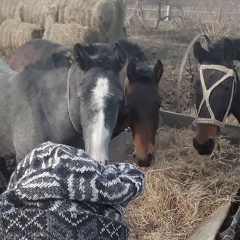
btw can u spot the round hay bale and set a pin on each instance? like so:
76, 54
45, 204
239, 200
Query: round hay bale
104, 16
14, 33
69, 34
8, 9
35, 11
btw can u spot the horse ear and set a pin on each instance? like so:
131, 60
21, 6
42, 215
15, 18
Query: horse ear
131, 71
120, 56
81, 57
205, 42
158, 71
200, 53
228, 50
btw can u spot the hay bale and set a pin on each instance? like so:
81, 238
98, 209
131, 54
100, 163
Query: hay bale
182, 188
35, 11
8, 9
69, 34
104, 16
14, 33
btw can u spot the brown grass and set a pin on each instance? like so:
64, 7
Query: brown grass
182, 188
69, 34
15, 33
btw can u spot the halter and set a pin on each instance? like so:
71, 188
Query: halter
70, 60
207, 92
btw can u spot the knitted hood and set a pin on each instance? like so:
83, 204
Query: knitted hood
58, 192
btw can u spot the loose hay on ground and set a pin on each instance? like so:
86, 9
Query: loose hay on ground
182, 189
69, 34
14, 33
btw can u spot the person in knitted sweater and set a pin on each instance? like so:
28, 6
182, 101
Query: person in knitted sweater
58, 192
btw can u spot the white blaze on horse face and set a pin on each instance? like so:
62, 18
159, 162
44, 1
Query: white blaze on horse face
100, 136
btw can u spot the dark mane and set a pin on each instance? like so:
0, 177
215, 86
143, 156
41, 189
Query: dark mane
54, 61
132, 50
144, 72
216, 51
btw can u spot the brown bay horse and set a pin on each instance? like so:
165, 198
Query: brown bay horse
217, 90
139, 109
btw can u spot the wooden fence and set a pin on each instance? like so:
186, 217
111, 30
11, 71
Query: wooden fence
150, 12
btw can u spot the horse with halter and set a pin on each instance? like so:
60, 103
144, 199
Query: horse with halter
65, 98
140, 106
217, 90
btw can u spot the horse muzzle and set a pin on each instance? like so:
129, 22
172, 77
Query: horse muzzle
143, 162
205, 148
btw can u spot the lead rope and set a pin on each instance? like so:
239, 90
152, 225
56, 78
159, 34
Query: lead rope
68, 101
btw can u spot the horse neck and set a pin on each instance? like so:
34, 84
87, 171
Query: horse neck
235, 108
122, 119
64, 87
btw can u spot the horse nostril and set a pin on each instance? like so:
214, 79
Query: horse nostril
150, 156
134, 155
209, 142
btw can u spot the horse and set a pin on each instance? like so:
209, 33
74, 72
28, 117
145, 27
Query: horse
32, 51
217, 90
142, 100
66, 98
140, 117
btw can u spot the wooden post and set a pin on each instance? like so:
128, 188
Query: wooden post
168, 13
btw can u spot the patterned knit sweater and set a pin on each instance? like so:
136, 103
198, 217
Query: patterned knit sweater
58, 192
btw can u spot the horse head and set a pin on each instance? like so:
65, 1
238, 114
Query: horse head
142, 100
99, 93
215, 85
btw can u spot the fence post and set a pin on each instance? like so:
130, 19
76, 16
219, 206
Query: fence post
168, 12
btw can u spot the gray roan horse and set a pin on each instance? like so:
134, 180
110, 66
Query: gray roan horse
139, 109
64, 99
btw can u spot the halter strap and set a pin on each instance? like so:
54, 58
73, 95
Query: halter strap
207, 92
124, 92
68, 101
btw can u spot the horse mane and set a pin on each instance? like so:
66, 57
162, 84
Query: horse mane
144, 72
132, 50
53, 61
215, 51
